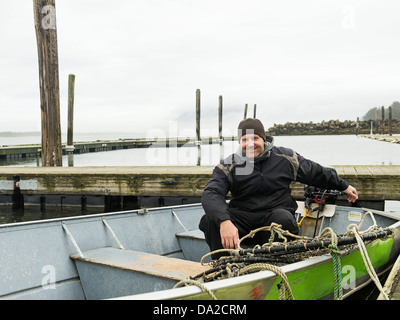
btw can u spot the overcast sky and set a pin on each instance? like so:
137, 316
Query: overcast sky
138, 63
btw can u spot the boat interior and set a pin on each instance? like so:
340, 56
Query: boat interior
119, 254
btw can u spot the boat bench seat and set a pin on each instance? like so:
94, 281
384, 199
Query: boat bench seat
193, 245
130, 272
194, 234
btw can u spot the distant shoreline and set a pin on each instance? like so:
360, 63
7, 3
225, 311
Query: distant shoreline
19, 134
331, 127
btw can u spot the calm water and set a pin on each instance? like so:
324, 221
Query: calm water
326, 150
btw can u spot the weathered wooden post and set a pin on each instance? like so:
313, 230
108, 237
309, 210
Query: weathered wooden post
357, 125
377, 121
390, 120
17, 196
383, 120
71, 94
220, 137
198, 138
46, 36
255, 111
245, 111
70, 131
220, 119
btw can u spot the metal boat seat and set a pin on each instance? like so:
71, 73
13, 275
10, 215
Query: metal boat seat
193, 245
104, 271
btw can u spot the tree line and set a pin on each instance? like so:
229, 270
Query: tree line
370, 115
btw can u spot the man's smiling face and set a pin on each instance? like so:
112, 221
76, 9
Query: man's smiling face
252, 145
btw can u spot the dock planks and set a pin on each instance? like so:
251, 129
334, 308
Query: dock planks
385, 138
374, 183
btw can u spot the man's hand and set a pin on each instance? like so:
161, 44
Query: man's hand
352, 193
229, 234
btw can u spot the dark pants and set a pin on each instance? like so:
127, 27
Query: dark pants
245, 222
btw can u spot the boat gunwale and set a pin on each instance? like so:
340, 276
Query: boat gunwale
95, 216
153, 210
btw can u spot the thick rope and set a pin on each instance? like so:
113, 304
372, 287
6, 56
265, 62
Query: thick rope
285, 288
367, 261
337, 273
196, 283
392, 280
337, 267
374, 224
355, 230
234, 251
276, 230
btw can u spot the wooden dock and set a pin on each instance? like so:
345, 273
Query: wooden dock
374, 183
34, 150
27, 151
385, 138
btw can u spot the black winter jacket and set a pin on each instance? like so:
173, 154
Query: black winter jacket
264, 183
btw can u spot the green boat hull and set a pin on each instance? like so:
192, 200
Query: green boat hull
310, 280
318, 282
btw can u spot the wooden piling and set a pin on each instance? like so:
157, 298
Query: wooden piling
71, 94
245, 111
255, 112
46, 36
357, 125
220, 118
220, 137
69, 148
383, 119
390, 120
198, 137
17, 196
198, 114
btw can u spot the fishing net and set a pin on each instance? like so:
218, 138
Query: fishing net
246, 260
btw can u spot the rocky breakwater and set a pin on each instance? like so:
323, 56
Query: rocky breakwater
333, 127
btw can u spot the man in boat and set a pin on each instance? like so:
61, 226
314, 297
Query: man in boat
258, 177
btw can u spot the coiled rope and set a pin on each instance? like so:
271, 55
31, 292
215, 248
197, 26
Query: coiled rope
235, 263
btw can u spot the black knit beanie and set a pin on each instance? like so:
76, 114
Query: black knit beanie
251, 124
